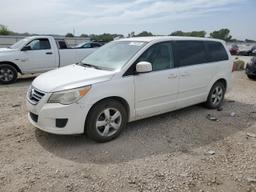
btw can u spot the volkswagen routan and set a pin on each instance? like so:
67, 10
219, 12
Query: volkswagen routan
130, 79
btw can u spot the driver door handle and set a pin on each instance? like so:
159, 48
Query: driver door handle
48, 53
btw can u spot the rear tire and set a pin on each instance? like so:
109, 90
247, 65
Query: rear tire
216, 96
8, 74
106, 120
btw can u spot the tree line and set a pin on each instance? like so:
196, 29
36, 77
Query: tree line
223, 34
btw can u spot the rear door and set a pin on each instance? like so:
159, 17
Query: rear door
156, 91
196, 71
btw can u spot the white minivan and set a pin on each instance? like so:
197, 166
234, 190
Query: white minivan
127, 80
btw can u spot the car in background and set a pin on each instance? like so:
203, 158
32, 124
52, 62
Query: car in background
250, 52
234, 49
250, 69
89, 44
37, 54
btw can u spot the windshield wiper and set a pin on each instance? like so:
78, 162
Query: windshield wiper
89, 65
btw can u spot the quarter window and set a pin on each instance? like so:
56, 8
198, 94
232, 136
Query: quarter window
190, 52
216, 51
160, 56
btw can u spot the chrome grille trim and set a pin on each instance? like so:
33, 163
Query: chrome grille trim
34, 95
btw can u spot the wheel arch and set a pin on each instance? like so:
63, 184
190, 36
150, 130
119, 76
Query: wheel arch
12, 64
218, 79
222, 80
116, 98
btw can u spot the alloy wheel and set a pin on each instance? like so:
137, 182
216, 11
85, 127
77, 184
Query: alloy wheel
6, 74
217, 95
108, 122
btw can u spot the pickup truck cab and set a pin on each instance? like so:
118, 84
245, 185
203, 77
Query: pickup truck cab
37, 54
127, 80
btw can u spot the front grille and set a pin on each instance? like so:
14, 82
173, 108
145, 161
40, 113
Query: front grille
34, 95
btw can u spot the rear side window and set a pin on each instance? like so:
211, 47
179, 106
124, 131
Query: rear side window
216, 50
190, 52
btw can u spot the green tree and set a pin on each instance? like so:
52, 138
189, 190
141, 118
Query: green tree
177, 33
249, 41
84, 35
4, 30
144, 34
223, 34
105, 37
132, 34
197, 34
69, 35
190, 34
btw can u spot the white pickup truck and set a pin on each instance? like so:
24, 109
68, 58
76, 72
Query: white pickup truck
37, 54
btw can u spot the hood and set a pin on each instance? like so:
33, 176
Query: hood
70, 77
3, 50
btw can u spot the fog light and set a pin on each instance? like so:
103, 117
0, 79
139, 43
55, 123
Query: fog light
60, 123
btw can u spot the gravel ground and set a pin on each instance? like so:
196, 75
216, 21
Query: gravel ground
177, 151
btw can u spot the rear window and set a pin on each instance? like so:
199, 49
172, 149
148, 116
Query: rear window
216, 50
190, 52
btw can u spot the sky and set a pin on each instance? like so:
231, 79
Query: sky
124, 16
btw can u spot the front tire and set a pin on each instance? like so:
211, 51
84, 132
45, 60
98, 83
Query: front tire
106, 120
8, 74
252, 77
216, 96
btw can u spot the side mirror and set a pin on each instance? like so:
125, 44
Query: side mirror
143, 67
26, 48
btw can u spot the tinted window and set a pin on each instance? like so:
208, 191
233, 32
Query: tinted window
190, 52
160, 56
96, 45
217, 51
39, 44
62, 45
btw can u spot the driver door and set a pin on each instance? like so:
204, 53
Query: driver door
39, 56
156, 92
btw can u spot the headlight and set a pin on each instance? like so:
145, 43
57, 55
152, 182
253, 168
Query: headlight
70, 96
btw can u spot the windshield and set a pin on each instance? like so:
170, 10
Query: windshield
114, 55
19, 44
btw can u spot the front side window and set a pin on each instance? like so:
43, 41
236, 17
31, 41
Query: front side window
190, 52
160, 56
39, 44
216, 51
114, 55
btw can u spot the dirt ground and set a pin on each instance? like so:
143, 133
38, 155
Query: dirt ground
177, 151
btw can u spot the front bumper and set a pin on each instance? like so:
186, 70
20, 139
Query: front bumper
49, 117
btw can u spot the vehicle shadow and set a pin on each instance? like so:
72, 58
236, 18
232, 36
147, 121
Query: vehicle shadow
181, 130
